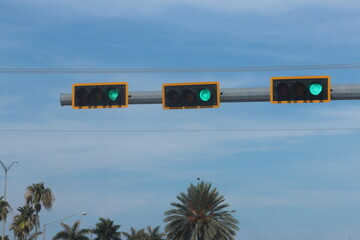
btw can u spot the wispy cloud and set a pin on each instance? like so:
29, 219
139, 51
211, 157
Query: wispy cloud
299, 198
112, 8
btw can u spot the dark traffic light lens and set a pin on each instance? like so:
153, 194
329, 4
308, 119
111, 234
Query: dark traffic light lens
299, 90
205, 95
283, 91
173, 96
113, 94
315, 89
82, 96
189, 96
98, 95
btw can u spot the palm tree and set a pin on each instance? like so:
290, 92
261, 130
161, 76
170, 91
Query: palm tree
37, 195
154, 234
72, 233
4, 211
200, 215
4, 208
24, 222
135, 235
33, 236
106, 230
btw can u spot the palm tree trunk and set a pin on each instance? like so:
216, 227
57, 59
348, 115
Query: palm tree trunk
36, 224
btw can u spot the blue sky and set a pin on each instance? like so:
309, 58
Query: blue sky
283, 184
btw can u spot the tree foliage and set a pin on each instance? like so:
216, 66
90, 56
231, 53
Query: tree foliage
37, 196
24, 222
72, 233
106, 230
5, 208
200, 215
154, 233
135, 234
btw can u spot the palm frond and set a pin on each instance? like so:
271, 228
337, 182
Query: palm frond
200, 214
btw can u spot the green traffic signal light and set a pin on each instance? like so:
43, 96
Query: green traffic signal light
113, 94
205, 95
315, 89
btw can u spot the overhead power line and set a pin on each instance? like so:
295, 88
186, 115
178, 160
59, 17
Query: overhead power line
176, 130
181, 70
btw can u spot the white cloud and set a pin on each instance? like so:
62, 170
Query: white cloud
299, 198
114, 8
346, 113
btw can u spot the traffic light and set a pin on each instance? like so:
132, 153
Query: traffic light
191, 95
300, 89
99, 95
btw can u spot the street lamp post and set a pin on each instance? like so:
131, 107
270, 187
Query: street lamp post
6, 169
59, 220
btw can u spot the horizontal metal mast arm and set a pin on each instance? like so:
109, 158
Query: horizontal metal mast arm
259, 94
345, 92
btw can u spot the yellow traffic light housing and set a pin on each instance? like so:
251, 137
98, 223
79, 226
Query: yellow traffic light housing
100, 95
191, 95
313, 89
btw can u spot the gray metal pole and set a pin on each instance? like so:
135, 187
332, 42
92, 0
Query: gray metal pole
346, 92
5, 185
4, 220
259, 94
6, 169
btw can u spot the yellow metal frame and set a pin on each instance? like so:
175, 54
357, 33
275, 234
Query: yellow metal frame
101, 84
189, 84
300, 101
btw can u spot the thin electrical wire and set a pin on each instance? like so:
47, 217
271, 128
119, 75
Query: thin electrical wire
178, 70
346, 66
176, 130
